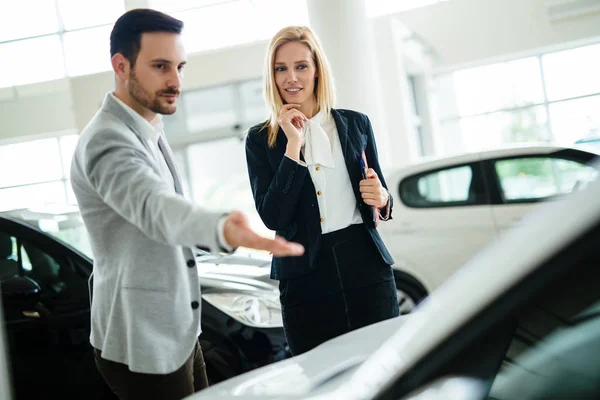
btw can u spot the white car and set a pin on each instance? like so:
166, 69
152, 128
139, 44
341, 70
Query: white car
526, 330
448, 209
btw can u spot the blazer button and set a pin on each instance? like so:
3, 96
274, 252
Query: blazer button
191, 263
195, 304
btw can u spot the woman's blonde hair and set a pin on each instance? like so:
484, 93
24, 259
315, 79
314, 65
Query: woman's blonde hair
324, 91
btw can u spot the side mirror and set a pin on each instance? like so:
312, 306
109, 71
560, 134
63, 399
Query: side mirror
20, 294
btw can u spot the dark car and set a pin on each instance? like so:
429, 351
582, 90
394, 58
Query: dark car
45, 266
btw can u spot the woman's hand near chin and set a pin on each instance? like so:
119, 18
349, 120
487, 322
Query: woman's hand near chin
292, 120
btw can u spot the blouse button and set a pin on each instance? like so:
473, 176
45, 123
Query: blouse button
319, 192
322, 219
318, 168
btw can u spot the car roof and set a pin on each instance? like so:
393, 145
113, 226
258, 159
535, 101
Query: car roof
512, 150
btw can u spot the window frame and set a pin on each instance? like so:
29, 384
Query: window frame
545, 103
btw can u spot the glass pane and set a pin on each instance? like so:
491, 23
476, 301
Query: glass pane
77, 14
575, 119
571, 176
71, 199
273, 15
67, 149
541, 177
27, 18
572, 73
210, 108
254, 108
494, 130
443, 96
448, 185
88, 51
441, 188
217, 26
31, 196
450, 138
526, 178
220, 184
31, 54
498, 86
30, 162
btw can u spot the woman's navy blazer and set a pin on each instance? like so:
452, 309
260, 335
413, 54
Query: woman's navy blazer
285, 196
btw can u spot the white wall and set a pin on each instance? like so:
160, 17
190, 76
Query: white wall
468, 31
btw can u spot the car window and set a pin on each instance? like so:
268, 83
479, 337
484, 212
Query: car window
536, 178
455, 186
63, 285
64, 289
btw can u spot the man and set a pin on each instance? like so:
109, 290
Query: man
146, 296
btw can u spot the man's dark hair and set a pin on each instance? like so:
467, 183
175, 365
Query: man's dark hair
126, 36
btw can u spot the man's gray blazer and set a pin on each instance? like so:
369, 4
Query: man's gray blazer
146, 297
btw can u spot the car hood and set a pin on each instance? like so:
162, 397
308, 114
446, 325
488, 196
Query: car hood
319, 371
235, 272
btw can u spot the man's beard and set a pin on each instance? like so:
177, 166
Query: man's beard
141, 95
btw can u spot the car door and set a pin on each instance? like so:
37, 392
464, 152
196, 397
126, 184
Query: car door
441, 219
49, 339
521, 182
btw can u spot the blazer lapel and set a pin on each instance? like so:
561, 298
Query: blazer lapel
353, 143
168, 155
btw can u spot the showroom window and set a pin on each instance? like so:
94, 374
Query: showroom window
534, 178
213, 124
68, 35
549, 97
71, 36
36, 172
210, 124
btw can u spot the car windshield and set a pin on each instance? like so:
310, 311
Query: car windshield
62, 222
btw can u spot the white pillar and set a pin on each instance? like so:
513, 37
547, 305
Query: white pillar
396, 95
346, 35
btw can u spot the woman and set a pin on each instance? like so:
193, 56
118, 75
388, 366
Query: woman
306, 175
